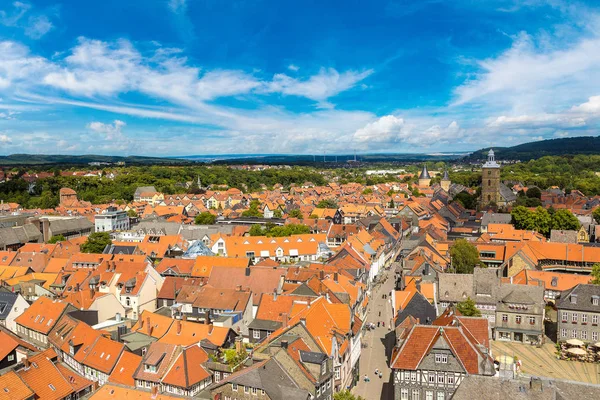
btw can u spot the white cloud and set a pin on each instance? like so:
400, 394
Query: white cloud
293, 67
17, 65
177, 5
110, 131
561, 134
385, 129
327, 83
592, 106
12, 17
5, 139
38, 26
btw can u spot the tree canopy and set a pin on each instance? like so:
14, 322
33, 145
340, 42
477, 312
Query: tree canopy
542, 221
596, 274
205, 218
327, 203
295, 213
279, 231
596, 215
96, 243
56, 238
468, 308
465, 257
346, 395
254, 210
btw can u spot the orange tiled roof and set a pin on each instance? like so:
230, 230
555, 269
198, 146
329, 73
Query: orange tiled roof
41, 315
126, 366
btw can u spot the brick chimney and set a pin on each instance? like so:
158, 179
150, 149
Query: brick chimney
148, 325
210, 329
179, 327
26, 363
285, 320
335, 277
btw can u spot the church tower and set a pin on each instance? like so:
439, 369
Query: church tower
490, 181
445, 182
424, 178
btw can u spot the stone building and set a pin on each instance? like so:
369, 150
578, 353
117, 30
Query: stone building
424, 177
490, 181
445, 182
579, 314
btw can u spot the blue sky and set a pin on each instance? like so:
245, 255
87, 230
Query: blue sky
182, 77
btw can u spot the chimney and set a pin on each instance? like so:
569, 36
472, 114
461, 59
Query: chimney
335, 277
148, 324
118, 317
303, 321
285, 320
247, 271
239, 345
275, 294
321, 274
154, 392
210, 329
26, 363
179, 327
238, 288
207, 317
77, 287
141, 324
284, 344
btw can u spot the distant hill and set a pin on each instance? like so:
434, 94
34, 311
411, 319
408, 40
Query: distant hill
550, 147
43, 159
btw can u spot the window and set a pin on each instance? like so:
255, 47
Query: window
441, 395
413, 376
595, 319
594, 336
584, 318
584, 335
254, 391
440, 378
595, 300
403, 394
51, 386
234, 387
450, 379
256, 334
337, 373
532, 320
431, 377
441, 358
574, 333
323, 368
217, 376
415, 394
518, 319
11, 357
563, 333
564, 316
504, 317
246, 389
429, 395
574, 318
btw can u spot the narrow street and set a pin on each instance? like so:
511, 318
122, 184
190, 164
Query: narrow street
373, 356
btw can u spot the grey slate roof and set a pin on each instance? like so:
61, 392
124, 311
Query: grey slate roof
584, 294
495, 218
60, 226
198, 248
312, 357
506, 193
563, 236
272, 378
7, 300
424, 173
523, 389
264, 325
19, 234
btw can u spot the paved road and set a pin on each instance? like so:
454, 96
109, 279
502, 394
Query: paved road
374, 355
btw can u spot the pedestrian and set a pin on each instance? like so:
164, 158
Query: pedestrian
380, 313
380, 375
383, 322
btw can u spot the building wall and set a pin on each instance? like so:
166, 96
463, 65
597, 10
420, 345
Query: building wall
410, 385
509, 329
18, 307
581, 325
107, 306
490, 186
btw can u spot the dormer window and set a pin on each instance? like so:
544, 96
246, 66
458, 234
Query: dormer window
150, 368
554, 282
441, 358
323, 368
573, 299
595, 300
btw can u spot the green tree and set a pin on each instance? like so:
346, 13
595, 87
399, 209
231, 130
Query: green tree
596, 274
596, 215
232, 357
277, 213
534, 193
296, 213
542, 221
96, 243
313, 216
256, 230
254, 210
56, 239
327, 203
465, 257
367, 191
469, 202
131, 213
468, 308
205, 218
346, 395
564, 219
